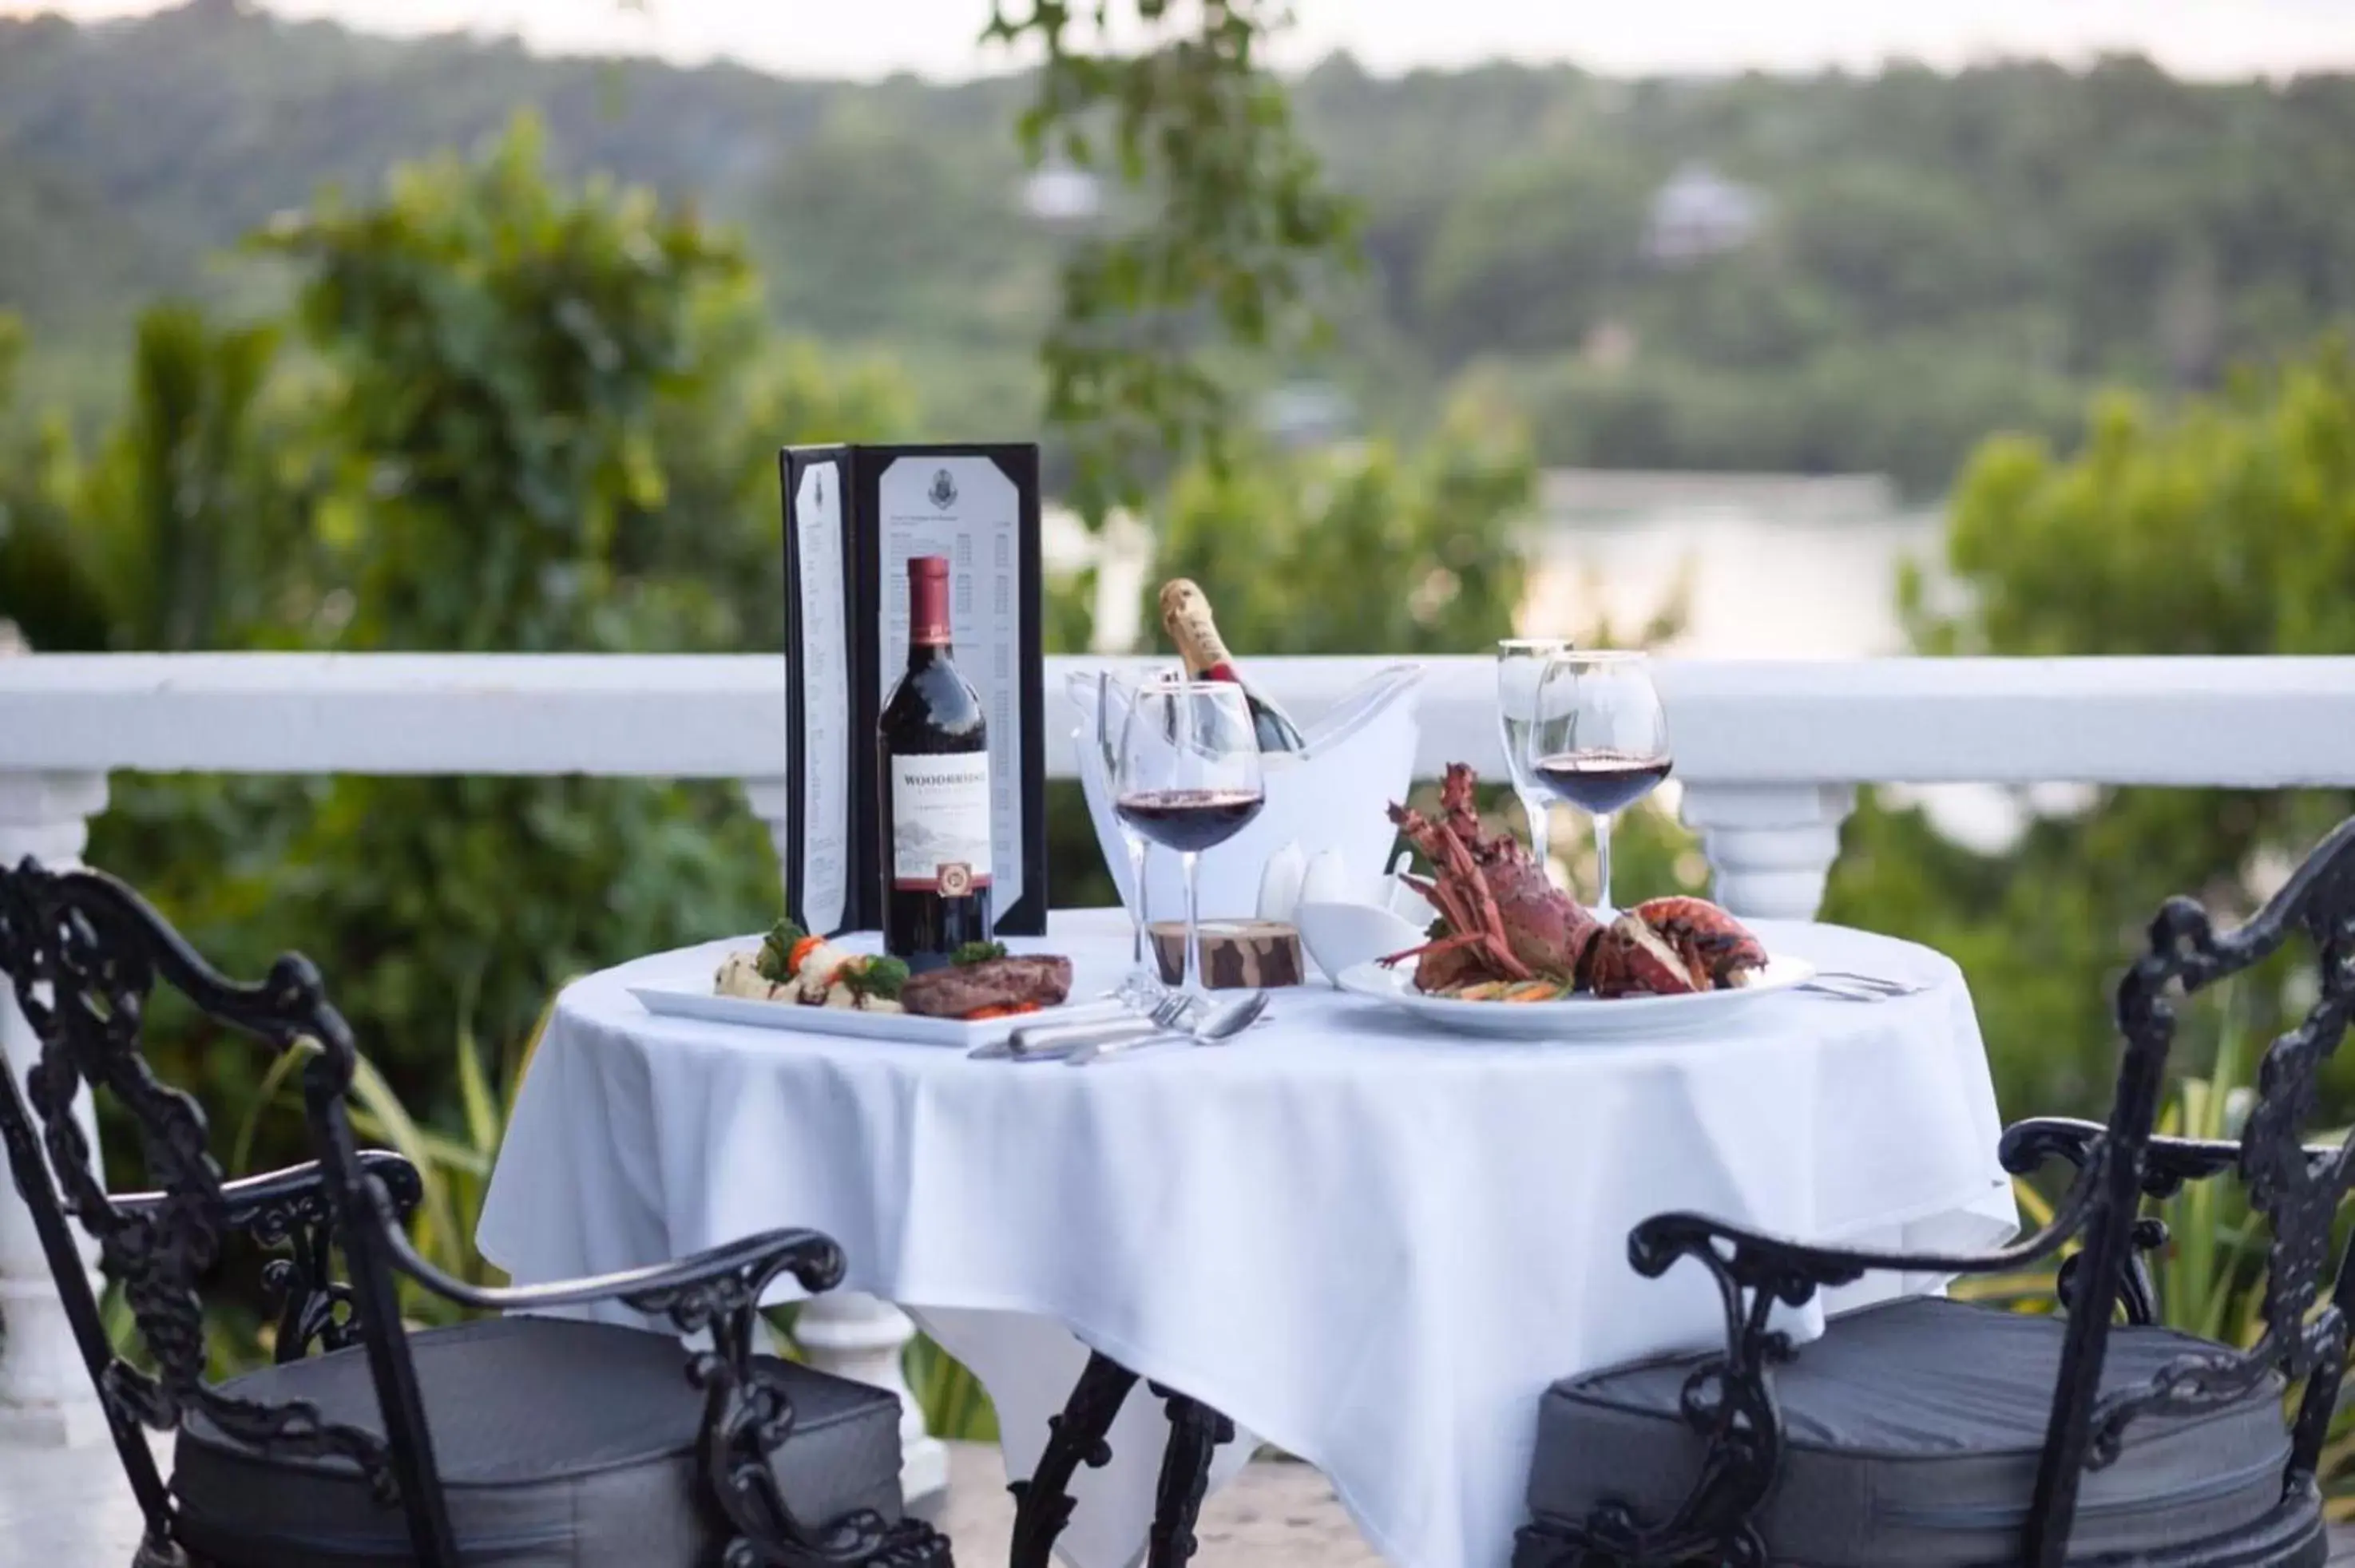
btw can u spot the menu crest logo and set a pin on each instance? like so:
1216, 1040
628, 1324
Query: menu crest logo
944, 493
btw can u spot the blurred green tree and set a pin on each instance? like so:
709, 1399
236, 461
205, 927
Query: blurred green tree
530, 417
549, 408
1237, 230
2227, 528
1411, 551
172, 536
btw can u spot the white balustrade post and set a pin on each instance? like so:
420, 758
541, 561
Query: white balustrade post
46, 1397
848, 1332
1771, 845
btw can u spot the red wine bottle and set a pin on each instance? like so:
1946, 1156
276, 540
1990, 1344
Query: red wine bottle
935, 810
1186, 615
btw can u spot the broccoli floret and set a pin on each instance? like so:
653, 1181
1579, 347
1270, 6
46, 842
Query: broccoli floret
876, 976
776, 948
977, 953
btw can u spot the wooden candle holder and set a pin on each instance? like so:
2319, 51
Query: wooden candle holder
1237, 955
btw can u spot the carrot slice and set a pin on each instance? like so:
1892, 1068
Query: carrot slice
1000, 1010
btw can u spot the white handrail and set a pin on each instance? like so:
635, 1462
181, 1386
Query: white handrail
2253, 722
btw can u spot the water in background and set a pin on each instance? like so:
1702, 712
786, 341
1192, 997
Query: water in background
1768, 567
1754, 585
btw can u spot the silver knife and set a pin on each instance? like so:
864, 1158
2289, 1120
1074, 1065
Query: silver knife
1044, 1043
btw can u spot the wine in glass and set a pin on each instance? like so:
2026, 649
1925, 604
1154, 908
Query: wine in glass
1188, 778
1600, 741
1521, 665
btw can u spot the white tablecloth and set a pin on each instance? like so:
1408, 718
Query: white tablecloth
1372, 1247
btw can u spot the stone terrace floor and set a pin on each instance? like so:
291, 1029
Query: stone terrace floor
73, 1510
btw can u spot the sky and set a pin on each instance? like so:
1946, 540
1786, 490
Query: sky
868, 39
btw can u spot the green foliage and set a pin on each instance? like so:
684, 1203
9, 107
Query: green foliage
505, 352
936, 248
1444, 524
1240, 223
2227, 528
185, 525
1941, 254
166, 539
524, 415
503, 346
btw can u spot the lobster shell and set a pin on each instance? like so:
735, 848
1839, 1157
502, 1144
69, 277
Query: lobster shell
1673, 947
1718, 951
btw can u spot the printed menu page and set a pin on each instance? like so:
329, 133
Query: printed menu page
966, 509
823, 876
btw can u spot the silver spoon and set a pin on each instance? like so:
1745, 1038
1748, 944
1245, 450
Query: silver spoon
1221, 1026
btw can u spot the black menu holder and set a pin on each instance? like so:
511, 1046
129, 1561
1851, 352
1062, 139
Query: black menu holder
853, 516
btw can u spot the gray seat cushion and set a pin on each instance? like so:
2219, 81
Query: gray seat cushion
1913, 1432
560, 1445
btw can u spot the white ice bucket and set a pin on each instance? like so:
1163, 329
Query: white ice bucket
1360, 757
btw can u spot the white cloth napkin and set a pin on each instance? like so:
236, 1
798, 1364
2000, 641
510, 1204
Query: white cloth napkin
1370, 1245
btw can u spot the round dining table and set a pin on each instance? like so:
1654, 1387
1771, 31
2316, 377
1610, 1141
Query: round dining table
1369, 1244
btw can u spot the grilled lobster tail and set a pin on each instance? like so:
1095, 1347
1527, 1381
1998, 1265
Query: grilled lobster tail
1671, 946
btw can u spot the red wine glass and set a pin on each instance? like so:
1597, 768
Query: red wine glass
1188, 778
1600, 741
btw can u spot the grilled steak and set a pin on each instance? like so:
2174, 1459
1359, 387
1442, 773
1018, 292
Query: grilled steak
961, 989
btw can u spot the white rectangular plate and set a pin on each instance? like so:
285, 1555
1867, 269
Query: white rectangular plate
907, 1028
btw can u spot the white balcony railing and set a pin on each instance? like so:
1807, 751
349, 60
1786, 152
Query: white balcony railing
1769, 755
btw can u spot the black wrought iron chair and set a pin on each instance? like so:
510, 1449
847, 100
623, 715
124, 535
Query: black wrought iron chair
1932, 1434
522, 1440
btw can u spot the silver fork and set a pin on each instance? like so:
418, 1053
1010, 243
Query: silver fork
1220, 1025
1850, 987
1041, 1042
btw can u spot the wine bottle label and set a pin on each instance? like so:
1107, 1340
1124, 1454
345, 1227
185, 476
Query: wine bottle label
940, 822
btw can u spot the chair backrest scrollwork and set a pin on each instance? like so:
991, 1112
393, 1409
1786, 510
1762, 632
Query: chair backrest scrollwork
2295, 1191
84, 954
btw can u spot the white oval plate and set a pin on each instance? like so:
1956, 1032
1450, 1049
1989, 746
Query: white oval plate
1579, 1017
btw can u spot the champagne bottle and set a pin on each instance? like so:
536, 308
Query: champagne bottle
934, 742
1186, 615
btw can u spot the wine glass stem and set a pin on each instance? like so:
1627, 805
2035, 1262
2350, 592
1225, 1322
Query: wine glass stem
1140, 914
1536, 808
1193, 981
1602, 863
